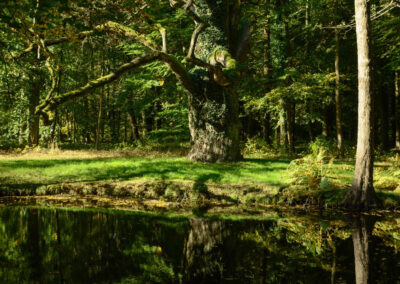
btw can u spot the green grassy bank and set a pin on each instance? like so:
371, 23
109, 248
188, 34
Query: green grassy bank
170, 178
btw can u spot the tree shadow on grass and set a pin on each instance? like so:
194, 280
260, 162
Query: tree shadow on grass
100, 169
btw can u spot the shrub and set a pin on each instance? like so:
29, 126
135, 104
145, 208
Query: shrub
311, 171
258, 147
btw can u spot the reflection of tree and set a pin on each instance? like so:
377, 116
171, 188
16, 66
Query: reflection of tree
203, 250
56, 246
361, 232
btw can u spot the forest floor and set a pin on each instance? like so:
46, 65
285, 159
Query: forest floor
164, 177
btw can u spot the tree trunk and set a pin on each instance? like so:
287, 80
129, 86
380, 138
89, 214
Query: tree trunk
266, 128
134, 127
362, 194
339, 133
266, 124
290, 124
214, 126
214, 110
397, 107
144, 124
325, 123
282, 125
99, 117
34, 97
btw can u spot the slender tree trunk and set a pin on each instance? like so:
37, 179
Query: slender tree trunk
134, 127
339, 134
397, 107
290, 124
266, 125
325, 123
99, 117
34, 97
362, 194
144, 124
289, 103
67, 117
282, 125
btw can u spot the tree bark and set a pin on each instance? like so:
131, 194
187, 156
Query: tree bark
362, 194
214, 126
339, 134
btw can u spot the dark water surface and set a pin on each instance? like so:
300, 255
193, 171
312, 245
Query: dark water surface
39, 245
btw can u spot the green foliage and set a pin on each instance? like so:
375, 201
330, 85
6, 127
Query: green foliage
257, 147
312, 169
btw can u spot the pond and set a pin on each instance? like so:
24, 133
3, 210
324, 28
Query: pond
61, 245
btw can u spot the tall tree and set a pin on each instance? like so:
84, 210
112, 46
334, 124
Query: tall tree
362, 195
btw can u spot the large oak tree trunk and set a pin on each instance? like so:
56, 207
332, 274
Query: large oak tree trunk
362, 194
214, 110
214, 126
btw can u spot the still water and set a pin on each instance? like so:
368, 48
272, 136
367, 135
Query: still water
39, 245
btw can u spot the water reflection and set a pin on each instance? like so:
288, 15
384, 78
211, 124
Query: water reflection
361, 235
65, 246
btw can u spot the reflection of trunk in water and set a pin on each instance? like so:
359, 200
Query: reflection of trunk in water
203, 250
362, 229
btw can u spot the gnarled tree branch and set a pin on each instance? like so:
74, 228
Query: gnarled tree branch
47, 108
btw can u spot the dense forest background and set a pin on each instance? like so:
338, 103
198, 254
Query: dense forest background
296, 80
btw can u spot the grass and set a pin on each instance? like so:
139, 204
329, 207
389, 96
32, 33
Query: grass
55, 170
48, 168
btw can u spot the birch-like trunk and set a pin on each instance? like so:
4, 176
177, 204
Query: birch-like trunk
362, 194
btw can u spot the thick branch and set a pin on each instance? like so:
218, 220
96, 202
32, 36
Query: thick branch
46, 108
199, 28
180, 72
